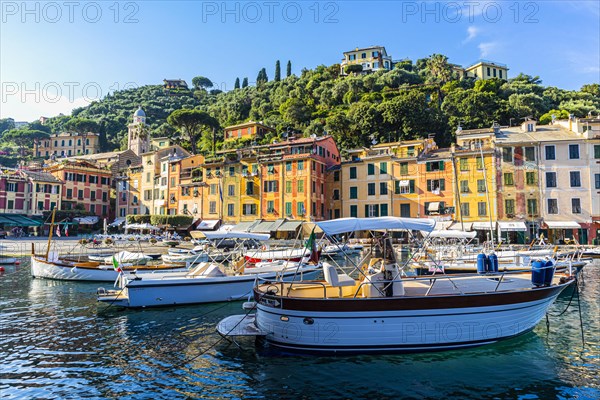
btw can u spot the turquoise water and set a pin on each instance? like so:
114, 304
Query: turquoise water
55, 344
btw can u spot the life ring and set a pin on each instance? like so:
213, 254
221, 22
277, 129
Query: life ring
263, 247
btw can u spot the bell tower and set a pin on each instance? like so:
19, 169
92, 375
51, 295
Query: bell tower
138, 135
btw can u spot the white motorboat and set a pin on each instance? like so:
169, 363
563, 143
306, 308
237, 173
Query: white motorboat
207, 282
264, 254
122, 257
378, 310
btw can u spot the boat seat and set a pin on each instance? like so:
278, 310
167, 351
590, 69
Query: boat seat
336, 280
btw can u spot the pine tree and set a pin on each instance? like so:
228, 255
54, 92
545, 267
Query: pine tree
245, 82
237, 83
289, 68
277, 71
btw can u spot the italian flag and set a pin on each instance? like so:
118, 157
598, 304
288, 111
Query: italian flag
116, 265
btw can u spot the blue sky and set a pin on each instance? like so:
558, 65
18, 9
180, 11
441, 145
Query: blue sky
55, 56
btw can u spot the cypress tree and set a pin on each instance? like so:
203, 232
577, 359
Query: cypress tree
245, 82
277, 71
237, 83
289, 68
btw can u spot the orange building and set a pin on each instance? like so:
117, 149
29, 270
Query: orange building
248, 129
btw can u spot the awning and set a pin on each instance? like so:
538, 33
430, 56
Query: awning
263, 227
512, 226
226, 228
404, 182
290, 226
117, 222
434, 206
482, 226
562, 225
91, 220
457, 226
245, 226
208, 224
19, 220
277, 224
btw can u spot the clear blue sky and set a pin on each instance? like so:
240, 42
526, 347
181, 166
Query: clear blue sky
80, 52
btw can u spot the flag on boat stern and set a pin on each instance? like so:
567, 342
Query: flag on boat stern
58, 230
116, 265
311, 244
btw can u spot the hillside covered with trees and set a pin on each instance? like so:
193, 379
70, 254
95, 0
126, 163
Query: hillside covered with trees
413, 100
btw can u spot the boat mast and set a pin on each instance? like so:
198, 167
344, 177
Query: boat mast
487, 192
50, 233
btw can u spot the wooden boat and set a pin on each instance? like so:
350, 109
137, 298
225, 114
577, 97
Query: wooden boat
379, 310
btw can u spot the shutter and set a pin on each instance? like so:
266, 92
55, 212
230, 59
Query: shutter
411, 186
442, 184
441, 165
397, 187
427, 167
366, 210
429, 185
376, 210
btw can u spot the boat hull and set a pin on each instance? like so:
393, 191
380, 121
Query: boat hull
161, 293
41, 268
398, 326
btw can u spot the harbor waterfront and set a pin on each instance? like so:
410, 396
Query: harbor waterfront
57, 342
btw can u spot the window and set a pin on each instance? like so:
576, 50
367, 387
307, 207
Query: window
550, 179
383, 168
371, 189
288, 186
105, 196
80, 194
270, 169
363, 55
509, 206
270, 206
573, 151
353, 192
550, 152
405, 210
300, 165
11, 204
288, 208
230, 209
509, 179
336, 176
464, 164
93, 208
336, 213
352, 172
530, 153
507, 154
370, 169
464, 186
383, 210
531, 178
314, 187
500, 73
488, 71
231, 171
552, 206
231, 190
172, 182
213, 188
354, 211
480, 186
434, 185
481, 208
288, 166
405, 186
532, 207
403, 168
371, 210
249, 209
576, 206
575, 178
465, 210
434, 166
479, 163
270, 186
249, 188
300, 208
597, 180
301, 186
93, 195
69, 193
597, 151
383, 188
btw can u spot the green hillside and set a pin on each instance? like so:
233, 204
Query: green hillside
411, 101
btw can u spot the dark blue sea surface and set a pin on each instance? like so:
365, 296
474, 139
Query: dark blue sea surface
56, 342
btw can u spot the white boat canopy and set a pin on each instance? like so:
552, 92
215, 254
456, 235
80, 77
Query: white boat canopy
208, 224
229, 235
90, 220
343, 225
453, 234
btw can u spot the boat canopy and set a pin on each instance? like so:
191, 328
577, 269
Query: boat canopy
229, 235
343, 225
453, 234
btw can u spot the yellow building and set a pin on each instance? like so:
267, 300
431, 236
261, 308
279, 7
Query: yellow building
67, 144
245, 130
475, 166
371, 59
484, 69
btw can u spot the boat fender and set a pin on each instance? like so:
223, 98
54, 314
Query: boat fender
17, 262
1, 269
